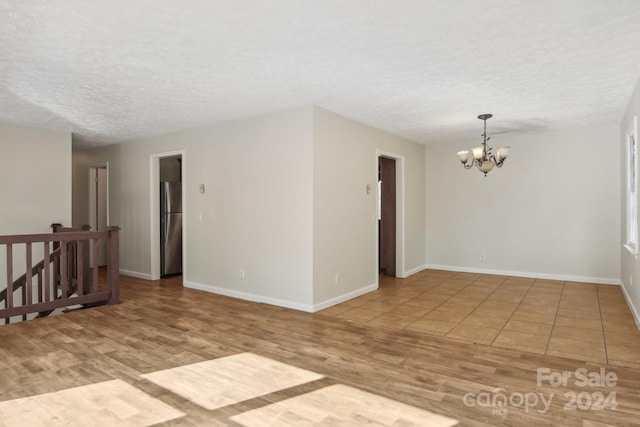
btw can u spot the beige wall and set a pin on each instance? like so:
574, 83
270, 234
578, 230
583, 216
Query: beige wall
35, 169
630, 266
285, 201
255, 215
35, 172
550, 211
344, 215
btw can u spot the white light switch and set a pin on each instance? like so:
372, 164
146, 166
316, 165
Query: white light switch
202, 188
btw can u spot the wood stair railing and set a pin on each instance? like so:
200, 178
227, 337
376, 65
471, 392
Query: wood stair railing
20, 283
64, 276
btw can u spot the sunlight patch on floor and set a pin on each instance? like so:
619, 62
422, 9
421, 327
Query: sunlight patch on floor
108, 403
340, 405
228, 380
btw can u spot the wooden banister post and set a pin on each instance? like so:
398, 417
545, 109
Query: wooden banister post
56, 228
9, 301
85, 251
113, 267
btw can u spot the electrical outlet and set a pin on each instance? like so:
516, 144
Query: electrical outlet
481, 257
242, 273
337, 279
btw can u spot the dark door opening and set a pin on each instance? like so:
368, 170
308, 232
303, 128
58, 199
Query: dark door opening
387, 216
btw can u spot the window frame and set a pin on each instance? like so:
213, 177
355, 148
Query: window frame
631, 145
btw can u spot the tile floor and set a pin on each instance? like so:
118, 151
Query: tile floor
581, 321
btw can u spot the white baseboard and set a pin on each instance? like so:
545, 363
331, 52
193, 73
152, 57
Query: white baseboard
249, 297
564, 277
342, 298
136, 274
633, 308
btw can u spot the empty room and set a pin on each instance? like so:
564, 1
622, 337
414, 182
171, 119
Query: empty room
288, 213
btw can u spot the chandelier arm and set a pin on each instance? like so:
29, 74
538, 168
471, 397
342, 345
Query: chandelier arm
470, 165
498, 163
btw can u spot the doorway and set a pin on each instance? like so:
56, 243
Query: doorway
387, 216
389, 232
99, 206
170, 216
168, 166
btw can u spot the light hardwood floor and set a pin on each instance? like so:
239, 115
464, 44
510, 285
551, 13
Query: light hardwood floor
394, 357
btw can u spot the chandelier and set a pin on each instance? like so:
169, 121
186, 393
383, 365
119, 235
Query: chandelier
483, 156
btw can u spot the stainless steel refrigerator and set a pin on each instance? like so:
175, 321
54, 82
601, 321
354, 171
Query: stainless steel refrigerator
170, 228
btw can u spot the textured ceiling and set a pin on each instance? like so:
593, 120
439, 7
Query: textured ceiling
113, 70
